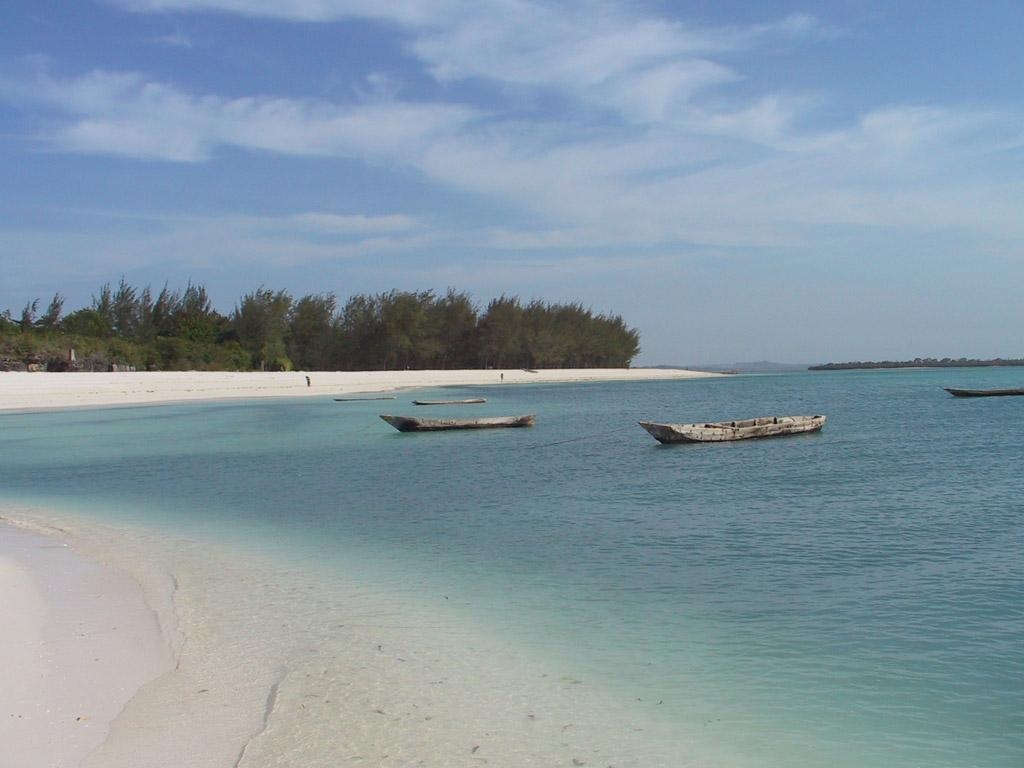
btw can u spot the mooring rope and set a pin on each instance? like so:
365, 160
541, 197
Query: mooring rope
581, 437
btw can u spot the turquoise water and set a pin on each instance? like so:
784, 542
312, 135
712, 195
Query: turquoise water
849, 598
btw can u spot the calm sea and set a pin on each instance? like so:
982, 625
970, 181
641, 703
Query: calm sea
850, 598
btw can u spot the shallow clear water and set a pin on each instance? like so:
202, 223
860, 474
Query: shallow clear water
849, 598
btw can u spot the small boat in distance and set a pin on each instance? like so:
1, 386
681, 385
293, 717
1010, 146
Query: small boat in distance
361, 399
467, 401
983, 392
414, 424
742, 429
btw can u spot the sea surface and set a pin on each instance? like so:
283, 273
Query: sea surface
848, 598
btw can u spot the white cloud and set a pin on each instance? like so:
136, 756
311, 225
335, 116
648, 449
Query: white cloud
175, 40
222, 242
126, 114
400, 11
767, 121
662, 93
604, 54
337, 224
913, 128
797, 25
652, 148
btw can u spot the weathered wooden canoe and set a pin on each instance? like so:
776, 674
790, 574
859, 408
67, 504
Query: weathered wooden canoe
362, 399
414, 424
467, 401
983, 392
721, 431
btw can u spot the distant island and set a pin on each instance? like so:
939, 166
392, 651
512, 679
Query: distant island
760, 366
925, 362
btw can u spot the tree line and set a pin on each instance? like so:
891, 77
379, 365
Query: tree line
272, 330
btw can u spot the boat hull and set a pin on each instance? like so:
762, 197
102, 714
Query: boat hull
983, 392
415, 424
728, 431
467, 401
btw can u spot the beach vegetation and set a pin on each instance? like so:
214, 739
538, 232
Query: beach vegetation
312, 339
261, 323
126, 327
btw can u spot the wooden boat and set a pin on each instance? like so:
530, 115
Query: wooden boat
361, 399
721, 431
467, 401
983, 392
414, 424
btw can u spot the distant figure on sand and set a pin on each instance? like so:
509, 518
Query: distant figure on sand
308, 384
503, 376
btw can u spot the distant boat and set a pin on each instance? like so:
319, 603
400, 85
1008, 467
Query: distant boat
414, 424
721, 431
467, 401
361, 399
983, 392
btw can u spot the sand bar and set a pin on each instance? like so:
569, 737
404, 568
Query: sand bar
35, 391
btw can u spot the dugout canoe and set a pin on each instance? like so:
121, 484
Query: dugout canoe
739, 429
415, 424
467, 401
983, 392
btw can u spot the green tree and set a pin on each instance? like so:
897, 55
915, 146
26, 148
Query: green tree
362, 334
501, 334
50, 320
313, 337
261, 322
268, 330
126, 310
194, 318
408, 336
86, 322
103, 306
453, 319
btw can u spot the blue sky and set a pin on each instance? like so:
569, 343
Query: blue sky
740, 181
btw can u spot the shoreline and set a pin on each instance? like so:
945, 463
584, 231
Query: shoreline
20, 391
362, 679
211, 679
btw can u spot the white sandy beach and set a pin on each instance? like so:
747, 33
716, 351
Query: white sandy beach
78, 641
246, 663
35, 391
123, 648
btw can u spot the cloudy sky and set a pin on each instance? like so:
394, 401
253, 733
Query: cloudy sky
739, 179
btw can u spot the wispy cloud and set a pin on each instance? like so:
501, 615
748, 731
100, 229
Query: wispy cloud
651, 144
346, 225
174, 40
233, 241
396, 11
128, 114
601, 53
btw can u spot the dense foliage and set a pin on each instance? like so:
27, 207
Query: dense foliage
271, 330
